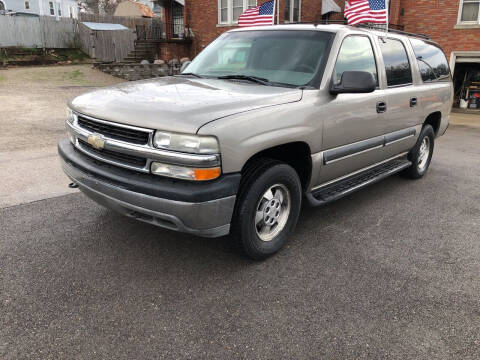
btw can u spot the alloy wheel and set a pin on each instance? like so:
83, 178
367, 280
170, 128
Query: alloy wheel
272, 212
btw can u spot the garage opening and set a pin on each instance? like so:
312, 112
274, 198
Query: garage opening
466, 80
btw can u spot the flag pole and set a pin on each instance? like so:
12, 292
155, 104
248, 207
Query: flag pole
273, 15
387, 3
278, 12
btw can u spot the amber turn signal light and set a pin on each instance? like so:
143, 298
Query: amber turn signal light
186, 173
207, 174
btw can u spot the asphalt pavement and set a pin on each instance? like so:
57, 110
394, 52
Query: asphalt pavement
33, 101
390, 272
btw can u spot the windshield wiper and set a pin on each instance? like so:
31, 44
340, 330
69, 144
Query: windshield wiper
256, 79
191, 74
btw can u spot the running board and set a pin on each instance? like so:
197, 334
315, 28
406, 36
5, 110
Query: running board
347, 186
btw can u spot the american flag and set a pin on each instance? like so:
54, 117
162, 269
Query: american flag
362, 11
259, 15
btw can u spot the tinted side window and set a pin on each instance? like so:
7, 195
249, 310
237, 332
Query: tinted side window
356, 54
431, 61
396, 62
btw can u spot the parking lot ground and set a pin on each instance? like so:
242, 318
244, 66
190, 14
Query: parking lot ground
32, 114
388, 272
465, 119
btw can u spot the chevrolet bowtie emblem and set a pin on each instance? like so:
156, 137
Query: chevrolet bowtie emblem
97, 141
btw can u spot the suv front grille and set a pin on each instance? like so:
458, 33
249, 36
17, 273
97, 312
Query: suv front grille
114, 132
130, 160
127, 146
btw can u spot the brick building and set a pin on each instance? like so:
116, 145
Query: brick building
454, 24
443, 20
207, 19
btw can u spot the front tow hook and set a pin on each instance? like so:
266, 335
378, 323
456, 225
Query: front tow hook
73, 186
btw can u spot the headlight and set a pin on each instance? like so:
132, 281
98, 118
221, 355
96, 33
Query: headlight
186, 173
186, 143
70, 120
70, 116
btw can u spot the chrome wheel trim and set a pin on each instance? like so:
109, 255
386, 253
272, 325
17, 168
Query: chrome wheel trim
423, 154
272, 212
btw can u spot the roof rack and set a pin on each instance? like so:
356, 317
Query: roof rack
393, 28
395, 31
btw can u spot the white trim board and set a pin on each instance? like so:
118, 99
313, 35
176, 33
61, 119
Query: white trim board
463, 56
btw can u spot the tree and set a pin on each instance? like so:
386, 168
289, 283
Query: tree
102, 7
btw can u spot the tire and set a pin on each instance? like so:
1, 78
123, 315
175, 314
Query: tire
419, 158
259, 238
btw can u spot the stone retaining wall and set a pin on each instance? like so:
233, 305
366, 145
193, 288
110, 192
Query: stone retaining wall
132, 72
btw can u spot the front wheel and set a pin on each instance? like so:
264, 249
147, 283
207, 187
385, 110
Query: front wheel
421, 154
268, 208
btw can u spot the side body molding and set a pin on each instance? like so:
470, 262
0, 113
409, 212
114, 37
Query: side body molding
346, 151
399, 135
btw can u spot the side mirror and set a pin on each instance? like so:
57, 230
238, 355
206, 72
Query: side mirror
184, 66
354, 82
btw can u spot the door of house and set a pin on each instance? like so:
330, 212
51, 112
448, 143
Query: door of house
177, 17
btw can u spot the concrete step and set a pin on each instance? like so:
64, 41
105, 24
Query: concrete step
141, 52
149, 46
139, 55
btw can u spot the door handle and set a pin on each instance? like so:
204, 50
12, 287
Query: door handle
381, 107
413, 102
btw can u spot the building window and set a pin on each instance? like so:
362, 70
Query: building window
237, 9
230, 10
2, 6
223, 11
469, 11
292, 10
27, 5
59, 9
52, 9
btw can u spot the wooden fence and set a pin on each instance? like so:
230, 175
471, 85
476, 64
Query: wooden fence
43, 32
106, 46
49, 32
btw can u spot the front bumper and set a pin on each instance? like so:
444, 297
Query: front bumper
203, 209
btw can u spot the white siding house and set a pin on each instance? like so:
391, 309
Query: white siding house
57, 8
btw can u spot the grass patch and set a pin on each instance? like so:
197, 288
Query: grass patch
73, 75
35, 56
61, 75
73, 55
2, 78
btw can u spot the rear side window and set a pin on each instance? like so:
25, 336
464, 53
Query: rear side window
356, 54
431, 60
396, 62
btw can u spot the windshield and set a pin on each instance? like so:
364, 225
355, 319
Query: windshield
280, 57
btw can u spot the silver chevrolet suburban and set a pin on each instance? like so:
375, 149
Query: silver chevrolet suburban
262, 120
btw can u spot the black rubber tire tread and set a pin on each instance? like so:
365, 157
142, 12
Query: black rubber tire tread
254, 176
412, 172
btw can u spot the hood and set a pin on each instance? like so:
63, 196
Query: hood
177, 103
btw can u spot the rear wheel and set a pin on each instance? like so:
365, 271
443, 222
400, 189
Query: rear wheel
267, 209
421, 154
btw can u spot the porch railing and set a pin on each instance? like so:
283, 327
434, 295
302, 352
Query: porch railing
164, 31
